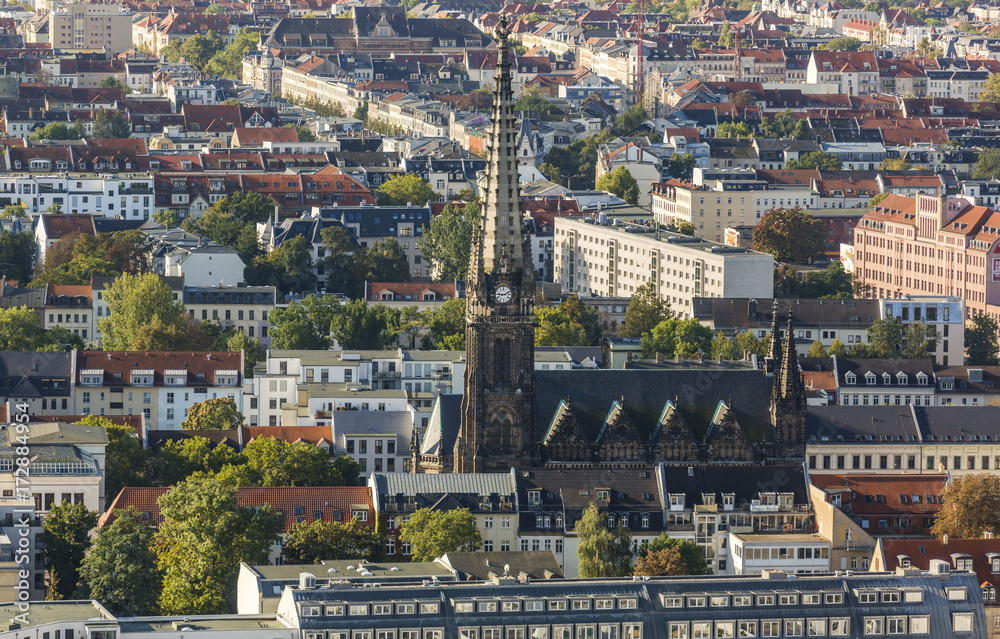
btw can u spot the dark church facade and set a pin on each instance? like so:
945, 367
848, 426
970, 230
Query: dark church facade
512, 416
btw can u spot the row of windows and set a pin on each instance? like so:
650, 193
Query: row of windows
741, 601
958, 462
539, 605
582, 631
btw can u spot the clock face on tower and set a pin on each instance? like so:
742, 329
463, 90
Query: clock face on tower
503, 294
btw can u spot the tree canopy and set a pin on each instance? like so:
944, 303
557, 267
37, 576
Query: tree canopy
841, 44
602, 551
685, 338
120, 569
269, 462
139, 308
621, 183
791, 235
310, 542
644, 312
987, 166
66, 538
667, 556
981, 341
17, 256
125, 458
572, 323
447, 243
970, 507
815, 160
432, 533
201, 542
220, 413
406, 189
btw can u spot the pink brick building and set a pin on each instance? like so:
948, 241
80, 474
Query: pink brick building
927, 245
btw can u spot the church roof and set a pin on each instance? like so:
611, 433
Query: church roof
644, 393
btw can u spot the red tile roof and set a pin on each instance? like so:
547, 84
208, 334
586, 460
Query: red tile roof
61, 225
410, 291
205, 364
921, 551
308, 434
327, 500
258, 136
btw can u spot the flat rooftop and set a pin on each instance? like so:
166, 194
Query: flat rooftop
196, 623
45, 612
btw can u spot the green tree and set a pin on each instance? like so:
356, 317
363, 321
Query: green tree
58, 131
220, 413
310, 542
532, 101
385, 261
181, 458
304, 325
875, 199
837, 349
251, 347
272, 462
289, 268
112, 82
726, 37
816, 350
345, 273
681, 166
981, 341
204, 537
66, 537
895, 164
19, 328
447, 242
432, 533
228, 62
645, 311
406, 189
991, 89
987, 166
125, 458
17, 256
602, 552
554, 329
621, 183
137, 302
572, 323
360, 326
678, 338
477, 100
791, 235
734, 130
232, 222
111, 125
688, 560
120, 570
815, 160
199, 49
970, 507
14, 211
446, 325
214, 9
841, 44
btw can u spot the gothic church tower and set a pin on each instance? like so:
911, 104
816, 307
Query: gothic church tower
498, 408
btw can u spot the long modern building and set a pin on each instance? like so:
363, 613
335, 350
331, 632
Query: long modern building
613, 260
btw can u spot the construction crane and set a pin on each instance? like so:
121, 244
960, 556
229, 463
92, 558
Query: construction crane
640, 28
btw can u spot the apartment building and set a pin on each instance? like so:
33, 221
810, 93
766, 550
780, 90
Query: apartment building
41, 383
613, 260
816, 320
945, 313
722, 198
490, 497
931, 246
34, 184
893, 505
244, 308
885, 382
91, 26
892, 439
159, 386
854, 72
67, 464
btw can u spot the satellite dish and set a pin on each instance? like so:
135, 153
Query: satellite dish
506, 567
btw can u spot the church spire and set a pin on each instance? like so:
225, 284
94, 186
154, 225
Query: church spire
791, 379
500, 233
773, 358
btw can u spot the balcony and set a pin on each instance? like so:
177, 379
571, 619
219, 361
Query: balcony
322, 414
385, 375
757, 507
136, 189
